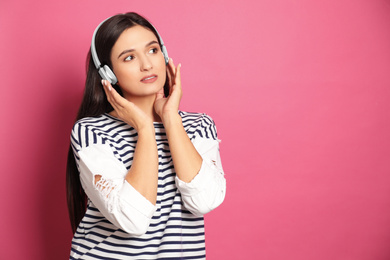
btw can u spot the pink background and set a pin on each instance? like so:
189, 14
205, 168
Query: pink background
300, 93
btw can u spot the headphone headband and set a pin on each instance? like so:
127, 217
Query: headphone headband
104, 71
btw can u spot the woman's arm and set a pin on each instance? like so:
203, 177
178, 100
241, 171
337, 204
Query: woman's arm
143, 173
200, 177
186, 159
102, 176
126, 198
207, 190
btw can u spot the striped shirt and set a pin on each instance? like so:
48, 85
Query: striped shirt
122, 224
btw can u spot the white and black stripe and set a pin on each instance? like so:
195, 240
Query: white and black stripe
174, 232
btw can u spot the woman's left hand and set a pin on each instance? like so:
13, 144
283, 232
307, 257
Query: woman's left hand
169, 106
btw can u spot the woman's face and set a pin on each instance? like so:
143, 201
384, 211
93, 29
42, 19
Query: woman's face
138, 62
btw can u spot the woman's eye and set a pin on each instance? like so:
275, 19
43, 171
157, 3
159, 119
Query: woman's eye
129, 58
154, 50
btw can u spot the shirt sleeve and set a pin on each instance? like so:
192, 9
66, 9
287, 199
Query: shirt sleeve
115, 198
208, 188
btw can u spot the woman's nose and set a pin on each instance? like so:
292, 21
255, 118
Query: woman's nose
146, 64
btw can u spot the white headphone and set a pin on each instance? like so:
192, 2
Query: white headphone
104, 71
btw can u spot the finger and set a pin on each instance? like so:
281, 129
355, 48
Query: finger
178, 76
106, 90
169, 77
118, 99
171, 64
112, 95
176, 90
172, 71
160, 94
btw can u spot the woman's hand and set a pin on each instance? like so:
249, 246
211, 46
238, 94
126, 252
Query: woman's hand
166, 107
126, 110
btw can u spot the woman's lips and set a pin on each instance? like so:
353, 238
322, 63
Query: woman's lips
149, 79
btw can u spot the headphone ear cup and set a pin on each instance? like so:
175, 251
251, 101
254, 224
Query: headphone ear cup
110, 75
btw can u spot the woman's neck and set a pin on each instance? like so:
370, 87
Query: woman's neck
146, 104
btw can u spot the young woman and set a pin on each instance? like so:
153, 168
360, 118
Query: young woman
141, 174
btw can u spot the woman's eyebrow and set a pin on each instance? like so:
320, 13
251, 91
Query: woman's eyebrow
150, 43
131, 50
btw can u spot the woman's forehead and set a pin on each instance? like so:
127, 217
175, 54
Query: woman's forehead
133, 38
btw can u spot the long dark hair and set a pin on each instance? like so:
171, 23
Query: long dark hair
94, 102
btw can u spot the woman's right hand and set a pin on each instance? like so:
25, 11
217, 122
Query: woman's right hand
126, 110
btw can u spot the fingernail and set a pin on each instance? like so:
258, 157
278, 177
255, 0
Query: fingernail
103, 82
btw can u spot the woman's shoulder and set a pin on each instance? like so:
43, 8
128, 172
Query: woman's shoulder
94, 123
94, 120
95, 129
194, 117
198, 124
